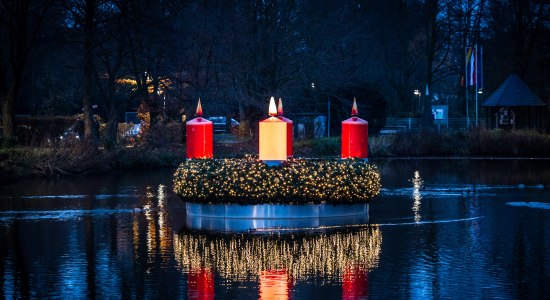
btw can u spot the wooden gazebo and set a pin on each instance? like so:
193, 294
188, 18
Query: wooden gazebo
513, 105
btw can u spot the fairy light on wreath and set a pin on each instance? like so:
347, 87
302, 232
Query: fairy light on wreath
248, 181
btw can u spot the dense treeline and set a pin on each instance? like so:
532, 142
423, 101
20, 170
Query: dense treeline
105, 57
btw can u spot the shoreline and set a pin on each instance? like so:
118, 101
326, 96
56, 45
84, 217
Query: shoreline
459, 158
143, 165
80, 158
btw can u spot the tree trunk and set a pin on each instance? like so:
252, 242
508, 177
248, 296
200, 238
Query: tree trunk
112, 114
16, 58
112, 129
8, 112
8, 116
88, 116
88, 71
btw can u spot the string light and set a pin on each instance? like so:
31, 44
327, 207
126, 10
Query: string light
240, 256
248, 181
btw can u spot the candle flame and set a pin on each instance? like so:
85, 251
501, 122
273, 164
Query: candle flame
272, 108
354, 111
199, 109
280, 107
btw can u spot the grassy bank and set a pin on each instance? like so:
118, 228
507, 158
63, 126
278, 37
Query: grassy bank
79, 158
476, 143
483, 143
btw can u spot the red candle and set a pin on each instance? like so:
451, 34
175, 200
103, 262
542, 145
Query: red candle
355, 136
200, 284
355, 284
289, 130
199, 132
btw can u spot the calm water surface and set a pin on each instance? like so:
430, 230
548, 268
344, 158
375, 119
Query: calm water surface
461, 230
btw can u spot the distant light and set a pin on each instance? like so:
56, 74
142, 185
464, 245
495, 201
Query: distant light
313, 85
417, 93
480, 91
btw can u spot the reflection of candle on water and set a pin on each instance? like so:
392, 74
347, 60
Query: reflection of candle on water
200, 284
198, 137
272, 137
274, 284
355, 136
355, 284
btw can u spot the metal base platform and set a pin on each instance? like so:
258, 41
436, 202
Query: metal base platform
273, 217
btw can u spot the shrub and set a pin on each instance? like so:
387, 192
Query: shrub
317, 147
476, 142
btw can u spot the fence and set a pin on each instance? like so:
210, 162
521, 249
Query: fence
394, 125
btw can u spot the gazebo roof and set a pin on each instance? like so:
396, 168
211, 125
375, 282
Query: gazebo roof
513, 92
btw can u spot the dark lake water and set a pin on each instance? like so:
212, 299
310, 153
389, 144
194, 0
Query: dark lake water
473, 229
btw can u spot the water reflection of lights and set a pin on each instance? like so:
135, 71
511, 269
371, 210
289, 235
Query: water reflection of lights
355, 284
158, 234
200, 284
417, 186
151, 224
161, 196
165, 232
242, 256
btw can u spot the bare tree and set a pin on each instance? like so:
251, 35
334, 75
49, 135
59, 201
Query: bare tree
20, 21
83, 23
521, 36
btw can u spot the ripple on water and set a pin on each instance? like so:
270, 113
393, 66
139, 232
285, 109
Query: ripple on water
60, 215
453, 190
539, 205
69, 196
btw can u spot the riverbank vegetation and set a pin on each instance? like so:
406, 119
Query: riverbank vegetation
78, 157
475, 143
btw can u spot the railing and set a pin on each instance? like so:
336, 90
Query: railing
394, 125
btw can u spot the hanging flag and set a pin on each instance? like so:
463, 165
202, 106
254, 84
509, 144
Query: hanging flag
470, 66
479, 68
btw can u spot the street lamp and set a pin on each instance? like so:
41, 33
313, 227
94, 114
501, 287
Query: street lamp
328, 110
419, 95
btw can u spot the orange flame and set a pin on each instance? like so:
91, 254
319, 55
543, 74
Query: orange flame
199, 109
280, 107
354, 111
272, 108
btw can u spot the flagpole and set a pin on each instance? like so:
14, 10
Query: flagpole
481, 67
476, 57
480, 88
